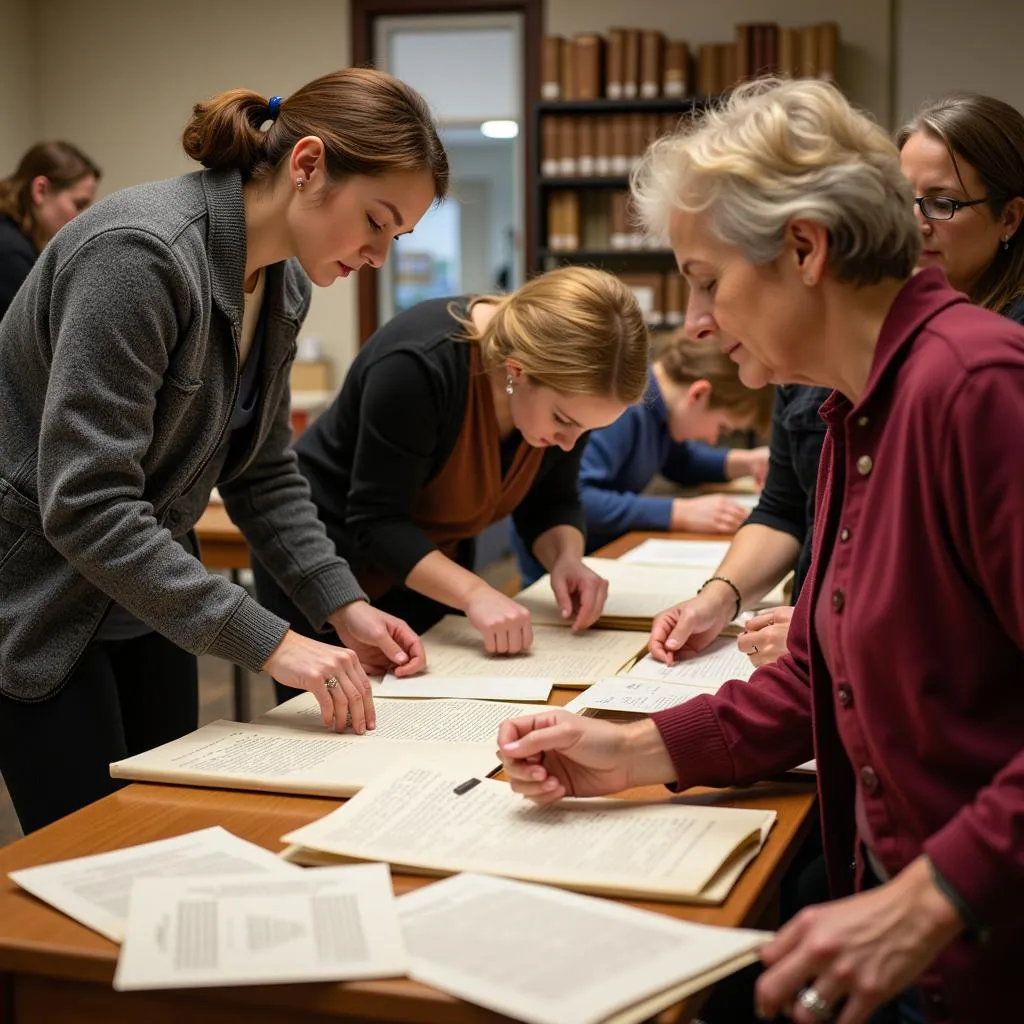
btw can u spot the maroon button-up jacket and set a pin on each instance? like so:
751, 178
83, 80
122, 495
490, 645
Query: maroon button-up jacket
921, 514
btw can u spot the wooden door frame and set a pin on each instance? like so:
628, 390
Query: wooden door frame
363, 15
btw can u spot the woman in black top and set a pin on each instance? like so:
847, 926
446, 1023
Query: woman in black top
457, 413
53, 183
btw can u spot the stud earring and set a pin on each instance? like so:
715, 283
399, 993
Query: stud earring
300, 184
509, 388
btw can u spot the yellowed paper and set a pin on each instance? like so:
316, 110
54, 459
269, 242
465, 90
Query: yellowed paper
666, 850
720, 661
557, 957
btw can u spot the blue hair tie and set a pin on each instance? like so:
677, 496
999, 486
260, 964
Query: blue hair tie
275, 106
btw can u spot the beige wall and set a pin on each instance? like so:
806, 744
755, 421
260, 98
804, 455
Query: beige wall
946, 45
126, 102
18, 98
864, 30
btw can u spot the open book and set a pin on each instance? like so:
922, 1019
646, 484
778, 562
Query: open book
636, 593
559, 957
454, 648
290, 751
424, 820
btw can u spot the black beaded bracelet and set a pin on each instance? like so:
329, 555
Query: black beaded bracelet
732, 586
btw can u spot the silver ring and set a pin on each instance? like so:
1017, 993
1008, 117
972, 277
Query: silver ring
812, 1002
754, 651
331, 682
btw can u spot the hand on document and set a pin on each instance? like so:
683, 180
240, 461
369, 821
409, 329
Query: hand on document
764, 639
579, 591
556, 753
332, 674
382, 643
504, 625
687, 628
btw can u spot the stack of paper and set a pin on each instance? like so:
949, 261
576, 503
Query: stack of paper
426, 821
637, 592
289, 750
558, 957
454, 648
699, 554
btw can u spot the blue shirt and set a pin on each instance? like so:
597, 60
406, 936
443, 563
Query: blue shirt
619, 461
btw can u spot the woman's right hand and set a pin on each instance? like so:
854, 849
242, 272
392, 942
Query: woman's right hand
308, 665
710, 513
688, 627
556, 753
503, 624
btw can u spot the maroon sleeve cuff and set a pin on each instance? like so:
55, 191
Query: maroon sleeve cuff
695, 743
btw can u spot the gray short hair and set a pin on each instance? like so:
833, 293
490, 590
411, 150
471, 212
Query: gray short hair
776, 150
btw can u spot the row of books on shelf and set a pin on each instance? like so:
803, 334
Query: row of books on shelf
766, 48
633, 63
595, 220
629, 64
605, 145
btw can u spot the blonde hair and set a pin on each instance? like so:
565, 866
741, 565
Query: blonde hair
779, 150
577, 330
686, 362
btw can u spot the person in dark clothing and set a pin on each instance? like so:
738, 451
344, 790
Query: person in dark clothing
52, 184
456, 414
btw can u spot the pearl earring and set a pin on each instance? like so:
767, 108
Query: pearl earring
1006, 242
509, 389
300, 184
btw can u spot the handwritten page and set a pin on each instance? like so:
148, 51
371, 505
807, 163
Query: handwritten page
415, 818
454, 648
94, 890
633, 696
720, 661
330, 925
558, 957
475, 687
285, 759
704, 554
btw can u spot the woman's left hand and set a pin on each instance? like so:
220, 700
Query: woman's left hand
764, 636
855, 954
382, 642
579, 591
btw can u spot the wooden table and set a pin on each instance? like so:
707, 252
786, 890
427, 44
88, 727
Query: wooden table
54, 970
221, 542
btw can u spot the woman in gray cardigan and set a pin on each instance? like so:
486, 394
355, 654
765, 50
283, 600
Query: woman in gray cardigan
146, 360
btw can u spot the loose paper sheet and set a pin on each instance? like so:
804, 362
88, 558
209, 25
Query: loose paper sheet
667, 850
557, 957
329, 925
704, 554
475, 687
720, 661
454, 648
94, 890
633, 696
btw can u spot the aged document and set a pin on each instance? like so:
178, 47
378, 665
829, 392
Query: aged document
624, 695
329, 925
720, 661
473, 687
94, 890
425, 820
454, 648
559, 957
703, 554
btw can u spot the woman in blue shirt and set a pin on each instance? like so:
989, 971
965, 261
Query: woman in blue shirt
693, 397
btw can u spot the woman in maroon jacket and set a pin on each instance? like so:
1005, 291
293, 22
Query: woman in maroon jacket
789, 215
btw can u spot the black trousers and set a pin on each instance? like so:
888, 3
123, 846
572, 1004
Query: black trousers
418, 611
124, 697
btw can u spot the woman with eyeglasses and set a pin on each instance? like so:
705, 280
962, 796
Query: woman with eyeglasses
964, 158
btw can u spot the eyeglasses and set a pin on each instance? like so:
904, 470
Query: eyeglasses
942, 207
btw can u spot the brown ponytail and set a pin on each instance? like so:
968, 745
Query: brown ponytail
369, 122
